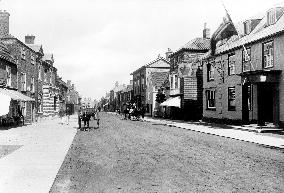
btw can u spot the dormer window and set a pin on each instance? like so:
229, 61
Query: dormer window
271, 17
247, 26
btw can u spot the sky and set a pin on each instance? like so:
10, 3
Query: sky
98, 42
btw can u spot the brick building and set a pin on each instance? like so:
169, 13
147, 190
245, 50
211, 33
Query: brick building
186, 77
243, 81
141, 89
27, 74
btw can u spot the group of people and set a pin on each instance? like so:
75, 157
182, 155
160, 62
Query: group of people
132, 111
87, 115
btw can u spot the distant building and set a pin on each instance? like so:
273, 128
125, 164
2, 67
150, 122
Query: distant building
141, 77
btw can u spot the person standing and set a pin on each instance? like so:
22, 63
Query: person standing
68, 112
98, 117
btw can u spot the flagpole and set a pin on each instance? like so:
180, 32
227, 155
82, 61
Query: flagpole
246, 52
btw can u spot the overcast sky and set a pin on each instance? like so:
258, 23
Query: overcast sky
98, 42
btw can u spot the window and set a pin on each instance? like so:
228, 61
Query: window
249, 98
172, 82
45, 76
210, 72
210, 99
32, 59
23, 53
231, 99
268, 54
231, 64
176, 81
271, 17
9, 76
39, 72
247, 26
246, 60
32, 85
23, 82
50, 77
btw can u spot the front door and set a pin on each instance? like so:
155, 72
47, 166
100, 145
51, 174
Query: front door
265, 103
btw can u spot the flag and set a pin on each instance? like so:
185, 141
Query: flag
225, 30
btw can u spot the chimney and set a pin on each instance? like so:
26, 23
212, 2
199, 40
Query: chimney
4, 23
168, 53
206, 32
29, 39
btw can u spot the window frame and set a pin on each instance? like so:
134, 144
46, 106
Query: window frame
230, 66
210, 72
23, 81
233, 99
32, 85
210, 99
246, 61
264, 56
271, 17
247, 27
176, 81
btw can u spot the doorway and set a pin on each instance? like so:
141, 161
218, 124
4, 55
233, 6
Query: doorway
266, 95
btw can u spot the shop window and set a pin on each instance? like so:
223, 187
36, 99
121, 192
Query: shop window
268, 54
231, 99
210, 99
246, 60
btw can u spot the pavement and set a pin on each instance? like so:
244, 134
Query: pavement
243, 133
33, 155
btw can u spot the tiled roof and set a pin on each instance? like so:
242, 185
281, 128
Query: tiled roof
197, 44
261, 31
158, 78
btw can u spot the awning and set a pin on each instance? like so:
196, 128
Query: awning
172, 102
4, 104
15, 95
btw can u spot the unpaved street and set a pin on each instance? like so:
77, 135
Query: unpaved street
132, 156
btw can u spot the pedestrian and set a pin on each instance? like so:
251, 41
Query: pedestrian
79, 118
98, 117
142, 111
67, 112
61, 115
